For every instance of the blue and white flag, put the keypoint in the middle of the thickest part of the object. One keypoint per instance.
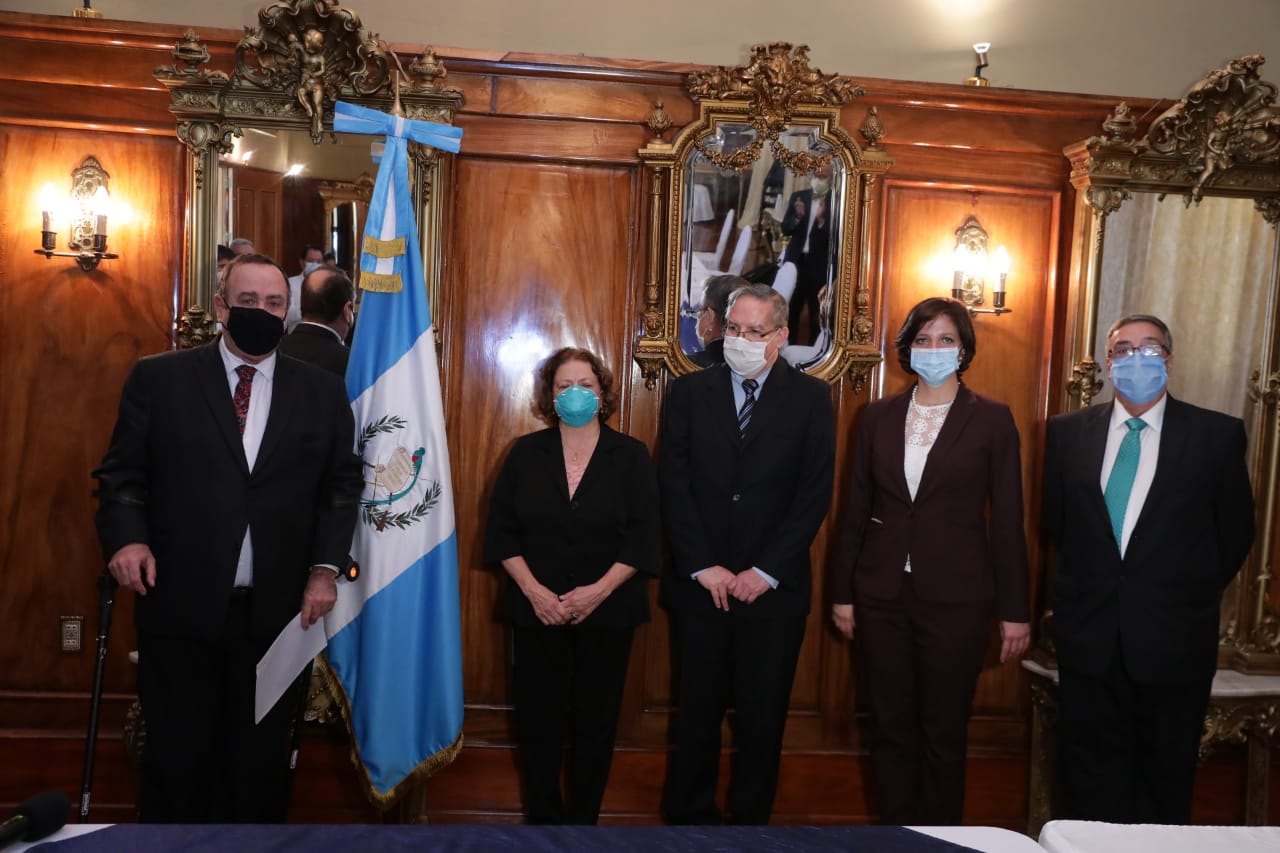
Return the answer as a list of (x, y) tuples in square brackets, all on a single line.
[(395, 642)]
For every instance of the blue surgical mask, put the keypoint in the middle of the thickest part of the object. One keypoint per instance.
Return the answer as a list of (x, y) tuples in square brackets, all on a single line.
[(577, 405), (935, 366), (310, 267), (1139, 378)]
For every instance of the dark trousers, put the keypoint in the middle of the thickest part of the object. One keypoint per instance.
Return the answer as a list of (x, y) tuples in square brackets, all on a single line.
[(810, 278), (204, 760), (723, 659), (922, 660), (1128, 751), (568, 687)]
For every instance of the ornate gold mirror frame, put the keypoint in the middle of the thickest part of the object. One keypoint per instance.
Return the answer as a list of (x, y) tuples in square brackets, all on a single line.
[(348, 194), (1221, 139), (302, 57), (776, 93)]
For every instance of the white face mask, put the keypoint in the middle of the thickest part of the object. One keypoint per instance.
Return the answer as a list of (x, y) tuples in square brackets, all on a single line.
[(744, 357), (309, 268), (697, 330), (819, 186)]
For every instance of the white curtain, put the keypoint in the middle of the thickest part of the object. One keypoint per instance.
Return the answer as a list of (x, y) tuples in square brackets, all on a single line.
[(1204, 270)]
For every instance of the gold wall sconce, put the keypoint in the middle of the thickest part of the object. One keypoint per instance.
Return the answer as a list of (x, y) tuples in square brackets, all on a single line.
[(977, 79), (973, 267), (84, 213)]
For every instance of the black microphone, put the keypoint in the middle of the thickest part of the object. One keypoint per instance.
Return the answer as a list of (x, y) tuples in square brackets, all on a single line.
[(43, 814)]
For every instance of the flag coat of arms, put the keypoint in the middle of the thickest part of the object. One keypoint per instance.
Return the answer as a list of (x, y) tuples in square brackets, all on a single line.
[(395, 649)]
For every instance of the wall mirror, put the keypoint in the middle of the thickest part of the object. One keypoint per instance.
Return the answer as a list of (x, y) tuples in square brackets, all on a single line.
[(767, 185), (324, 192), (302, 56), (1181, 222)]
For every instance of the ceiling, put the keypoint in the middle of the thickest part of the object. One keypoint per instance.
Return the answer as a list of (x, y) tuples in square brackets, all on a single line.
[(1134, 48)]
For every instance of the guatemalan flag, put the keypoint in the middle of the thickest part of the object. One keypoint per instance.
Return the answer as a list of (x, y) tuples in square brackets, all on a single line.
[(394, 638)]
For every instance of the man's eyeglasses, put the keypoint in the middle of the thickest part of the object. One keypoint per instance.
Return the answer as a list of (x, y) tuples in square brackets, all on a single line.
[(733, 330), (1126, 350)]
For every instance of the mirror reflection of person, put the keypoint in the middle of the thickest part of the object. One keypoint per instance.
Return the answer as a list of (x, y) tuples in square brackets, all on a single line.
[(748, 453), (1148, 507), (276, 506), (807, 222), (310, 257), (225, 256), (574, 522), (932, 549), (710, 323), (328, 313)]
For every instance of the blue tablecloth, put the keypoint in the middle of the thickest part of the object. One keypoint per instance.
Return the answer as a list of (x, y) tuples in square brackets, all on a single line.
[(359, 838)]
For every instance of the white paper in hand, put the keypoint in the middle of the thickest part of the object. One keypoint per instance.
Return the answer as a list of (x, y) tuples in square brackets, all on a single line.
[(288, 655)]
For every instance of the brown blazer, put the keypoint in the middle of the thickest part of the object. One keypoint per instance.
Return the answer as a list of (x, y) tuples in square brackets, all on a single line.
[(963, 531)]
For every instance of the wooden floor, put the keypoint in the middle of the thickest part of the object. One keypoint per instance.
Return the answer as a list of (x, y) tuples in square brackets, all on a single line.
[(482, 785)]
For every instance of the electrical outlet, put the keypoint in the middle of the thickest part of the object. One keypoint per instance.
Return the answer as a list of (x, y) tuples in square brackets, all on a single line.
[(72, 632)]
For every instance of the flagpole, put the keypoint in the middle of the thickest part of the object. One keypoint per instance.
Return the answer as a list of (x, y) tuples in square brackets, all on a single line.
[(404, 711)]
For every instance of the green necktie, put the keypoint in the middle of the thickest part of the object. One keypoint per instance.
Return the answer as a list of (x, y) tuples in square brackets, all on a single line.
[(1120, 483)]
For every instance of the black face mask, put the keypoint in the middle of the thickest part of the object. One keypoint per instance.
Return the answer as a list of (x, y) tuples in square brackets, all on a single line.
[(255, 331)]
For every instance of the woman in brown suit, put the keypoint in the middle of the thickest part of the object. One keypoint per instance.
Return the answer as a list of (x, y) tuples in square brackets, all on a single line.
[(932, 548)]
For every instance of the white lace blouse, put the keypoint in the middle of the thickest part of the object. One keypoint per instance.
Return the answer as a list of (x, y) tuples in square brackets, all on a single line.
[(923, 425)]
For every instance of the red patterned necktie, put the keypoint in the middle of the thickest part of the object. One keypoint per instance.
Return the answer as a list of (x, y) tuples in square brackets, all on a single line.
[(240, 399)]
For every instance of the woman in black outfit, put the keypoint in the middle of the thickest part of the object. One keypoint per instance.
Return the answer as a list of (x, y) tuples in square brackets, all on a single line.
[(574, 522)]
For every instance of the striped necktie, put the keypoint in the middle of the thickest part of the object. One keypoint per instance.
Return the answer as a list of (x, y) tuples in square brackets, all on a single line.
[(749, 387), (1120, 483)]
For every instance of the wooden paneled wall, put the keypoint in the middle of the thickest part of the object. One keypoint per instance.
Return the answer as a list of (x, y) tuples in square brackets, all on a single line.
[(545, 245)]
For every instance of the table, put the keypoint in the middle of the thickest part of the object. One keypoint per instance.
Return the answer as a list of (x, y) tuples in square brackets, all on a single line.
[(1242, 709), (507, 837), (1084, 836)]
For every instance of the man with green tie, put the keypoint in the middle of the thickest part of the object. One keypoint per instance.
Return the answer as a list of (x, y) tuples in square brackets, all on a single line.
[(1148, 505)]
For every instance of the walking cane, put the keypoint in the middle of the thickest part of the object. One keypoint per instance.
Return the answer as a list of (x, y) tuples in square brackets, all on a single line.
[(106, 598)]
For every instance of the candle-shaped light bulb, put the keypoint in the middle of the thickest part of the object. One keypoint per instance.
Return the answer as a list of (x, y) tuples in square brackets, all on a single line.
[(48, 204), (957, 263), (101, 207), (1001, 265)]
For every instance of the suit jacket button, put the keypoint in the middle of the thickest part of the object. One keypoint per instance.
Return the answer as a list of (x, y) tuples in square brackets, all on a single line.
[(573, 504), (737, 497)]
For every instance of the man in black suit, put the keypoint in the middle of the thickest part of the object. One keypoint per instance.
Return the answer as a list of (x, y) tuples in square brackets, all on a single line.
[(328, 309), (1147, 501), (807, 222), (710, 328), (746, 472), (228, 499)]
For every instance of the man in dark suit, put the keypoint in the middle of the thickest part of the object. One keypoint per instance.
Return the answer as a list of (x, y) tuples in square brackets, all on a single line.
[(746, 472), (328, 309), (228, 498), (1147, 501), (710, 328), (807, 222)]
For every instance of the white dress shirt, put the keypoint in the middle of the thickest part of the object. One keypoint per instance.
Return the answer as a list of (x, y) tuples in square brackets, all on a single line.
[(255, 424), (1148, 455), (328, 329)]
